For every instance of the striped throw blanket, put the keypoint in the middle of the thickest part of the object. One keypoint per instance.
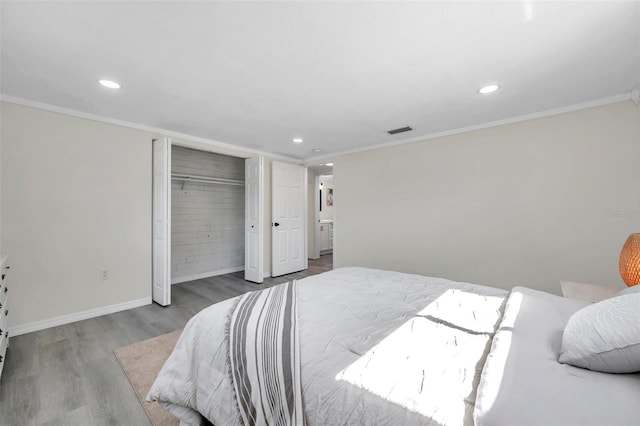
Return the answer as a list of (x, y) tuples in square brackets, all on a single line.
[(265, 357)]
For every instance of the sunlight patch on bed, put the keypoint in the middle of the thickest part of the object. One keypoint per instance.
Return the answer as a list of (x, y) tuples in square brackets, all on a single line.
[(431, 364)]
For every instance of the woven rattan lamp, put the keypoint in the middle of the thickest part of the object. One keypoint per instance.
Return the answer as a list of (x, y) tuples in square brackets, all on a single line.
[(630, 260)]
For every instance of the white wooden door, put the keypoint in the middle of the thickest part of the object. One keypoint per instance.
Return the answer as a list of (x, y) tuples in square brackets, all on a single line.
[(288, 218), (161, 276), (254, 222)]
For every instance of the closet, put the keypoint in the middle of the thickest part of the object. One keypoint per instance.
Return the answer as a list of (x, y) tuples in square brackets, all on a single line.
[(207, 214)]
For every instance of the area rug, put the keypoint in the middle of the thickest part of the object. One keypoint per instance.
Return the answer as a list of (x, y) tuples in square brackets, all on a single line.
[(141, 363)]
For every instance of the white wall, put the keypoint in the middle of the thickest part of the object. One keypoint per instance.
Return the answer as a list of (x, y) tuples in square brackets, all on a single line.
[(207, 220), (522, 204), (76, 199)]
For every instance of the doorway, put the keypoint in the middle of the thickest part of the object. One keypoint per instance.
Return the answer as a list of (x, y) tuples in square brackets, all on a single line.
[(322, 211), (199, 215), (325, 214)]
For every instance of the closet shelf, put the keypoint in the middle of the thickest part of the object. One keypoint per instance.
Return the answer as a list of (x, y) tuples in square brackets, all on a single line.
[(205, 179)]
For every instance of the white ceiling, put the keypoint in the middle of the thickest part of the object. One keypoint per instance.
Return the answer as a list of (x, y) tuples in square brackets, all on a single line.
[(338, 74)]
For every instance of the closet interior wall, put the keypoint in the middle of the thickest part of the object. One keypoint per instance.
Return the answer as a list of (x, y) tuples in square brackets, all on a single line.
[(207, 218)]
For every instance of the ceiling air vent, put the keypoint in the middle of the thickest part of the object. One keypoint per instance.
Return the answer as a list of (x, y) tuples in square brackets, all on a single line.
[(400, 130)]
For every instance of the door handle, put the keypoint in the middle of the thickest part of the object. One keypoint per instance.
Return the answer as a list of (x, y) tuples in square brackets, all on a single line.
[(276, 224)]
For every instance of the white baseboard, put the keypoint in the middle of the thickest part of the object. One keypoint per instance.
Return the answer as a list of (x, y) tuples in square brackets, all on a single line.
[(206, 275), (78, 316), (266, 274)]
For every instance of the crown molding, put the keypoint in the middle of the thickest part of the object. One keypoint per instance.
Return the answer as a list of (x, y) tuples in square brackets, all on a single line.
[(517, 119), (155, 130), (321, 158)]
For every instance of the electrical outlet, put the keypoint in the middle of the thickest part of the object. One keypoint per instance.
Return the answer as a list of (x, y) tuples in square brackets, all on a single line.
[(105, 274)]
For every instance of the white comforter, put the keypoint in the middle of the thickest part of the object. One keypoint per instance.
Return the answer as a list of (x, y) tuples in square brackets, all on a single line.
[(387, 348), (376, 347)]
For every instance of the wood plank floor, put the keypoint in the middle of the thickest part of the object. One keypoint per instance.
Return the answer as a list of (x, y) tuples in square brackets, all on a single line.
[(68, 375)]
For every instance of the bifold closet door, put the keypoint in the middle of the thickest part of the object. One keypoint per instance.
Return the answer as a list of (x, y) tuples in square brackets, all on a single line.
[(162, 221), (254, 222)]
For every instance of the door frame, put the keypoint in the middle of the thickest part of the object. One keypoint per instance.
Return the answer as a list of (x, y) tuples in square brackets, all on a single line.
[(315, 253)]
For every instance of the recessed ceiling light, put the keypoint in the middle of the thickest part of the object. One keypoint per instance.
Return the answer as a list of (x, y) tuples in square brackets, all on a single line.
[(109, 83), (329, 164), (316, 150), (488, 89), (297, 140)]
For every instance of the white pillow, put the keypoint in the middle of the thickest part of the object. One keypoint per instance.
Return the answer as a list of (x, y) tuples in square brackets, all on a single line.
[(629, 290), (604, 336)]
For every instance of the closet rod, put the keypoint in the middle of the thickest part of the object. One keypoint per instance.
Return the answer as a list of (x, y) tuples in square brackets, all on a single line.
[(205, 179)]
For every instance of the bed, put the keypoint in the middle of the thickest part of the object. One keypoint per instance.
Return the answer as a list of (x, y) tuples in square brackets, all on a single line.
[(377, 347)]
